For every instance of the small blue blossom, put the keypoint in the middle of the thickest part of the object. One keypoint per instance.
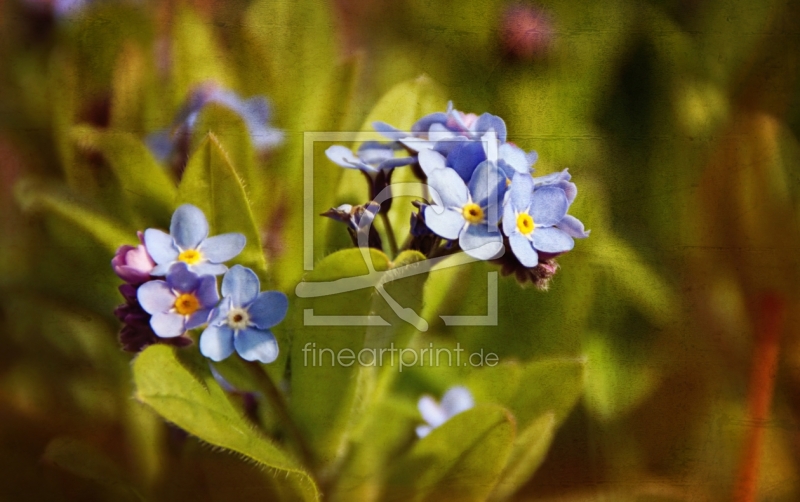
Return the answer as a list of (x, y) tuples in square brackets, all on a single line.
[(371, 158), (188, 242), (242, 320), (184, 301), (255, 111), (530, 217), (570, 224), (455, 400), (444, 125), (468, 213)]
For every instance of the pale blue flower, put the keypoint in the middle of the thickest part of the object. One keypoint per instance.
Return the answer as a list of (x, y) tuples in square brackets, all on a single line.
[(188, 242), (456, 400), (242, 320)]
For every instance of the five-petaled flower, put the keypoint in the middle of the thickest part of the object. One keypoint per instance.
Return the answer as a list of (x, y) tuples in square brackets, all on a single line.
[(455, 400), (188, 242), (184, 301), (242, 320), (530, 217), (469, 214)]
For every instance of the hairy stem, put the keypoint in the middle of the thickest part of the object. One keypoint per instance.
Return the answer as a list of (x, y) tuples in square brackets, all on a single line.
[(770, 321)]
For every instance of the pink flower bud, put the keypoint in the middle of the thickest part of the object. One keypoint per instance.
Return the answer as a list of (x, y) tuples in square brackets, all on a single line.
[(527, 32), (133, 264)]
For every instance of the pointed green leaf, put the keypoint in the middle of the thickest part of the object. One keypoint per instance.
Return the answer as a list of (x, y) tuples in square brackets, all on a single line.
[(323, 386), (38, 198), (527, 454), (548, 385), (211, 183), (188, 396), (460, 460), (146, 186)]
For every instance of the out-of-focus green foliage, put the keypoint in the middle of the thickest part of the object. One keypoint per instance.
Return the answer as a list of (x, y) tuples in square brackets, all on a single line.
[(627, 380)]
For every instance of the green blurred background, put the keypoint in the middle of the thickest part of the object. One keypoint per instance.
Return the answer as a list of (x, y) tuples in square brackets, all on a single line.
[(678, 121)]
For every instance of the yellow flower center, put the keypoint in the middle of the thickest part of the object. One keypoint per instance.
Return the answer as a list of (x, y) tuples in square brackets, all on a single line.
[(525, 223), (472, 213), (187, 304), (238, 318), (190, 256)]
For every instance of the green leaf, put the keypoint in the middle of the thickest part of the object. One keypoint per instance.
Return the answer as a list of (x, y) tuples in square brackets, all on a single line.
[(38, 198), (614, 385), (146, 186), (190, 398), (323, 390), (548, 385), (211, 183), (460, 460), (527, 454), (84, 461)]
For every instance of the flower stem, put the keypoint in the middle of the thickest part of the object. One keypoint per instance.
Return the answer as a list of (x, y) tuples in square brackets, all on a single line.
[(771, 317), (276, 401), (387, 224)]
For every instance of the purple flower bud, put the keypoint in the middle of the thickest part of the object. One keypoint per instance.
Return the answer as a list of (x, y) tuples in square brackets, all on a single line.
[(133, 264)]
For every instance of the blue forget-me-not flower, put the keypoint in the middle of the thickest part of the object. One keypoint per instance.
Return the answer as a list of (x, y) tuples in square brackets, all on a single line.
[(188, 242), (184, 301), (456, 400), (468, 213), (243, 319)]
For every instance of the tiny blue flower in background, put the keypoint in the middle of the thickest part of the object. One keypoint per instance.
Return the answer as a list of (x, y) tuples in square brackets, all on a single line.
[(184, 301), (467, 213), (371, 157), (188, 242), (456, 400), (242, 320), (530, 217), (255, 112)]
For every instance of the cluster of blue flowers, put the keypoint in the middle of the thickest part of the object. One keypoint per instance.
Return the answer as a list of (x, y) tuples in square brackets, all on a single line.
[(483, 198), (187, 297)]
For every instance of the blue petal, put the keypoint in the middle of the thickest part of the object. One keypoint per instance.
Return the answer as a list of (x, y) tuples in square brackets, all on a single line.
[(487, 185), (207, 268), (552, 240), (162, 269), (160, 144), (160, 246), (509, 218), (168, 325), (197, 319), (466, 157), (342, 156), (241, 285), (256, 345), (431, 411), (373, 152), (520, 192), (257, 109), (180, 278), (514, 157), (424, 124), (423, 430), (398, 162), (219, 316), (388, 131), (479, 243), (223, 247), (487, 121), (155, 296), (430, 160), (552, 178), (573, 227), (456, 400), (439, 132), (216, 342), (446, 223), (523, 249), (207, 292), (447, 188), (189, 226), (548, 206), (268, 309)]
